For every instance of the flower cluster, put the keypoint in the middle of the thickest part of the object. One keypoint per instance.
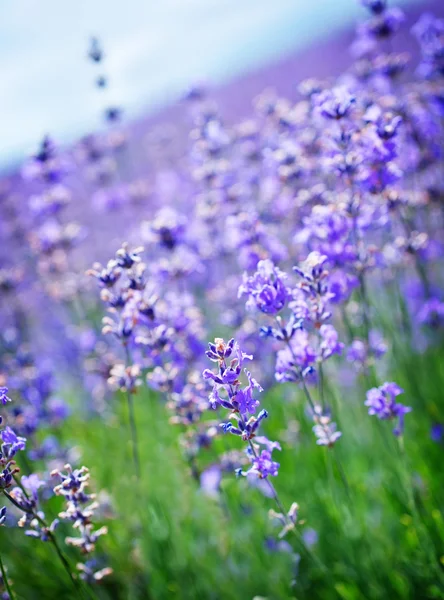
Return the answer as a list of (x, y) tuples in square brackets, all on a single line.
[(11, 444), (79, 510), (228, 393)]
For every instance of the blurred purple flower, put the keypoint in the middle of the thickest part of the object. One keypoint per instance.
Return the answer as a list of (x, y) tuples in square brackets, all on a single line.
[(381, 402)]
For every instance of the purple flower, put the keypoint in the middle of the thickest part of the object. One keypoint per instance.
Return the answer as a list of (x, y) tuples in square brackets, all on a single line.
[(429, 32), (335, 103), (3, 397), (228, 377), (378, 346), (437, 432), (431, 313), (375, 6), (210, 480), (383, 24), (6, 477), (244, 397), (386, 124), (295, 358), (11, 442), (32, 484), (228, 392), (266, 288), (330, 344), (381, 402), (325, 429), (263, 465), (310, 537), (341, 285), (269, 445), (357, 352)]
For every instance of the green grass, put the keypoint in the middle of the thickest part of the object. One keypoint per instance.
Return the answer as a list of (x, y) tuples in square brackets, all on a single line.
[(381, 533)]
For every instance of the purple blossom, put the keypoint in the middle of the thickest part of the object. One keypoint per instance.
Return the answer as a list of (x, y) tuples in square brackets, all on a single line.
[(381, 402), (266, 288), (383, 24), (375, 6), (32, 484), (263, 465), (325, 429), (244, 397), (228, 393), (310, 537), (431, 313), (227, 388), (330, 343), (295, 358), (341, 285), (429, 32), (335, 103), (437, 432), (210, 480), (3, 395), (12, 443)]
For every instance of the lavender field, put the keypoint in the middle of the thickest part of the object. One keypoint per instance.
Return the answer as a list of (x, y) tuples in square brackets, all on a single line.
[(222, 336)]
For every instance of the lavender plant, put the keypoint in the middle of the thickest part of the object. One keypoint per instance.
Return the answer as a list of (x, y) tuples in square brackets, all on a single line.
[(309, 235)]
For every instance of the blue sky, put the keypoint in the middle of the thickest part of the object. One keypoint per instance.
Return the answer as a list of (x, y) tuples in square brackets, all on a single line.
[(154, 50)]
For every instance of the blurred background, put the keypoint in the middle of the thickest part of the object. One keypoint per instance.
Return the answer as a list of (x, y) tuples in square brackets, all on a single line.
[(153, 52)]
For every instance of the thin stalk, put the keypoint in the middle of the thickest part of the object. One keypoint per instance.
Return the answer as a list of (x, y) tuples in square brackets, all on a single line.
[(321, 384), (342, 475), (273, 490), (5, 580), (365, 306), (51, 538), (347, 324), (133, 430), (300, 375), (309, 553), (280, 506), (132, 422), (419, 266)]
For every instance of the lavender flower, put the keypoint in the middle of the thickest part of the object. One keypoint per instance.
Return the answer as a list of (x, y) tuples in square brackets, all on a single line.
[(262, 463), (3, 395), (265, 289), (381, 402), (334, 104), (295, 361), (437, 432), (11, 443), (229, 393), (325, 429), (288, 521), (80, 509), (432, 313)]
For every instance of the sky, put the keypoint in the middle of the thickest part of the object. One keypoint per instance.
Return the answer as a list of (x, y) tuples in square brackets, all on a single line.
[(154, 50)]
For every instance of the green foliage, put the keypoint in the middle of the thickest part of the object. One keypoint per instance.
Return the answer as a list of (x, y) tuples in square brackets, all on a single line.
[(380, 523)]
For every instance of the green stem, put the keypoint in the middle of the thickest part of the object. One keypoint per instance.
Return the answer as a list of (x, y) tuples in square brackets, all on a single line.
[(321, 384), (342, 474), (5, 580), (132, 421), (347, 324), (133, 430), (52, 539)]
